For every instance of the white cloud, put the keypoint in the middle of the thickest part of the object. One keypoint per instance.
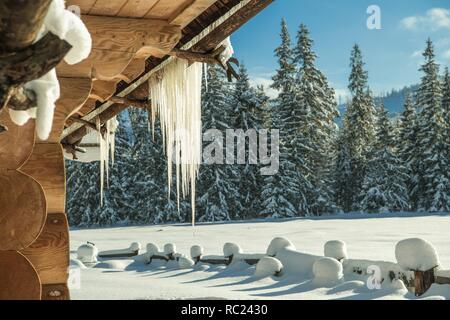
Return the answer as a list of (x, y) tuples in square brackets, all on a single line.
[(434, 19), (416, 54), (266, 82), (446, 55)]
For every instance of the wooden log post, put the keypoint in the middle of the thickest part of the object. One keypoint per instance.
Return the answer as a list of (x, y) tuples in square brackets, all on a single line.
[(423, 280)]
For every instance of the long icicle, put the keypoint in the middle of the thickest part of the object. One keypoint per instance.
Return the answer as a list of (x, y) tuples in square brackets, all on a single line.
[(176, 96)]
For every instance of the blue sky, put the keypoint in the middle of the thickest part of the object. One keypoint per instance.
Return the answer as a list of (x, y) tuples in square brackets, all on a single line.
[(392, 54)]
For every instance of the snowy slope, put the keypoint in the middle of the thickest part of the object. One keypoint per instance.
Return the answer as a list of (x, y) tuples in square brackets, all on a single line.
[(367, 237)]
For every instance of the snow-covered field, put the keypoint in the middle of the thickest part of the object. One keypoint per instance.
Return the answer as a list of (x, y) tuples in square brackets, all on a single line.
[(367, 237)]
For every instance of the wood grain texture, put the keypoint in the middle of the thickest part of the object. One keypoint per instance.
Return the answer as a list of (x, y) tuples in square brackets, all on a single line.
[(192, 11), (16, 144), (74, 93), (46, 165), (55, 292), (18, 279), (84, 5), (103, 90), (23, 210), (49, 254), (136, 8), (107, 7), (165, 9), (131, 35)]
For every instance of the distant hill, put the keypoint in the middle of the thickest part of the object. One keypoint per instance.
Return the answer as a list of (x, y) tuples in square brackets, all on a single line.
[(393, 100)]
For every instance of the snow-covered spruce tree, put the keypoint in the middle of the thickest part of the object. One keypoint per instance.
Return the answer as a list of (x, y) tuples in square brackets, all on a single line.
[(247, 115), (314, 119), (218, 188), (384, 187), (407, 148), (358, 126), (286, 194), (433, 171), (342, 174)]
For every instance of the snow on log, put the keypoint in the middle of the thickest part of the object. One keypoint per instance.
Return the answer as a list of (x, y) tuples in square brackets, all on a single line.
[(67, 26), (231, 249), (335, 249), (327, 271), (267, 267), (87, 253), (295, 262), (185, 263), (170, 249), (196, 253), (416, 254), (278, 244)]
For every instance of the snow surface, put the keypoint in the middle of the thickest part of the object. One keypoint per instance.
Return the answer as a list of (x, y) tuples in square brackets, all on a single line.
[(370, 238), (416, 254), (231, 249), (277, 244)]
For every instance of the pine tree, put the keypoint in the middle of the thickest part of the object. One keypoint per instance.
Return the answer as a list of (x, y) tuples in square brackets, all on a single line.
[(218, 188), (247, 115), (407, 148), (358, 127), (384, 188), (433, 172), (315, 122), (289, 188)]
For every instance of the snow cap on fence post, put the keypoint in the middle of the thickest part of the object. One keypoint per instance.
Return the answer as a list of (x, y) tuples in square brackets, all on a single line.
[(336, 249), (196, 252), (267, 267), (152, 249), (231, 249), (416, 254), (327, 271), (135, 246), (87, 253), (278, 244), (170, 249)]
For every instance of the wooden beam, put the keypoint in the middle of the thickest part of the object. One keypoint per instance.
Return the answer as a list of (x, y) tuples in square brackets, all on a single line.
[(189, 13), (20, 23), (231, 25)]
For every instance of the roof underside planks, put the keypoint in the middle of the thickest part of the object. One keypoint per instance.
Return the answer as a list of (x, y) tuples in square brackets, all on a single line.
[(193, 15)]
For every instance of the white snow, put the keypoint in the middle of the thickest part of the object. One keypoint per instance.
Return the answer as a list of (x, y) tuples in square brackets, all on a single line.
[(295, 262), (268, 267), (278, 244), (336, 249), (231, 249), (416, 254), (66, 26), (370, 239), (87, 253), (135, 246), (185, 263), (196, 251), (228, 52), (327, 271), (152, 249), (170, 248)]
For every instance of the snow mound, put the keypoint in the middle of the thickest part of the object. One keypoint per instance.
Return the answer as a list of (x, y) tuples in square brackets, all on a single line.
[(75, 263), (152, 249), (336, 249), (185, 263), (196, 251), (113, 264), (327, 271), (297, 263), (87, 253), (267, 267), (416, 254), (278, 244), (231, 249), (399, 286), (135, 246), (170, 249)]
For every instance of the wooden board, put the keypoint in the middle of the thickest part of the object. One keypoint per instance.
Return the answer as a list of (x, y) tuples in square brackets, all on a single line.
[(74, 93), (49, 254), (191, 12), (16, 144), (136, 8), (165, 9), (46, 165), (23, 210), (18, 279)]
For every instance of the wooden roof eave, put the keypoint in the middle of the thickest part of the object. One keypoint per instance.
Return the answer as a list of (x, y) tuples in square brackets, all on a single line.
[(230, 19)]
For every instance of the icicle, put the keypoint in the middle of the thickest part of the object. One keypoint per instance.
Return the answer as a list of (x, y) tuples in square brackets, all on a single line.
[(176, 96), (102, 157)]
